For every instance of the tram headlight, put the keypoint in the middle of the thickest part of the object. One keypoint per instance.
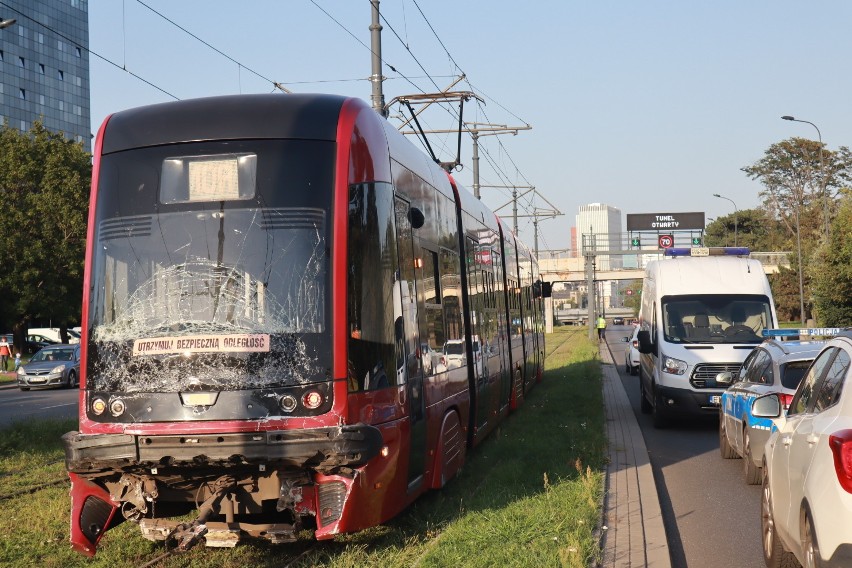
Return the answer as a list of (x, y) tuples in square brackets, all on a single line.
[(288, 403), (98, 406), (312, 400), (117, 407)]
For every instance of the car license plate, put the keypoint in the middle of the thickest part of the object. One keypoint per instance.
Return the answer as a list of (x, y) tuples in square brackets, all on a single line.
[(715, 399)]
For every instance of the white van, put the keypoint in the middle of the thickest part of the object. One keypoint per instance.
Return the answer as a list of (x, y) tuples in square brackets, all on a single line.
[(700, 317), (52, 334)]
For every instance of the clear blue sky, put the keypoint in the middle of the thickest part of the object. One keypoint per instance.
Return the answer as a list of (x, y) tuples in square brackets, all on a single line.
[(647, 106)]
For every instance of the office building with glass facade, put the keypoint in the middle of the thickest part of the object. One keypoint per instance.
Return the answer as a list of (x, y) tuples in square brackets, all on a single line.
[(44, 66)]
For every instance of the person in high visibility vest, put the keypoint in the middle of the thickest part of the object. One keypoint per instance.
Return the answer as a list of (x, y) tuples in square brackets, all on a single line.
[(601, 325)]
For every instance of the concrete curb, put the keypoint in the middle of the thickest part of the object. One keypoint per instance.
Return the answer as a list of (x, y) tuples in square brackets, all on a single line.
[(635, 535)]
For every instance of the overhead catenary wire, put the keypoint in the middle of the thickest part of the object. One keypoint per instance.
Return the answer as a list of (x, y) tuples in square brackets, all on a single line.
[(98, 55), (491, 161), (217, 50), (472, 88)]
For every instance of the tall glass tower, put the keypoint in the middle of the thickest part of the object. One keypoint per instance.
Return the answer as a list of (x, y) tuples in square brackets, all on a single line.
[(44, 66), (602, 224)]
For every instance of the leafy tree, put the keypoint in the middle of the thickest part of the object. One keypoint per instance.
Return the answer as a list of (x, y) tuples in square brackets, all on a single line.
[(794, 173), (832, 270), (634, 299), (44, 183), (753, 228), (785, 292), (800, 177)]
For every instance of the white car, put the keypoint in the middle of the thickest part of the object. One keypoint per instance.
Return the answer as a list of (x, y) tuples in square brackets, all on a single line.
[(806, 510), (454, 354), (631, 354)]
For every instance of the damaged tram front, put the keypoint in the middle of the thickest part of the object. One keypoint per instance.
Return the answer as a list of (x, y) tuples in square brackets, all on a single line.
[(208, 377)]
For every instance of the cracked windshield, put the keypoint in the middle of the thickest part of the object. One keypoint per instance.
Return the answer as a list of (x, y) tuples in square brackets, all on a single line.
[(205, 292)]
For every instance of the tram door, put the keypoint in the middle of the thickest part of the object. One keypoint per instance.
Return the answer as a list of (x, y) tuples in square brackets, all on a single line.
[(479, 333), (410, 346)]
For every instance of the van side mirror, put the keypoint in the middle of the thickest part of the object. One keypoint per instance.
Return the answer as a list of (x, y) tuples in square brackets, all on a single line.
[(625, 339), (646, 346), (767, 406)]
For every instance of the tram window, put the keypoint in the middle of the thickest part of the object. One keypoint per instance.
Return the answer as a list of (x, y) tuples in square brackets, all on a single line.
[(431, 279), (372, 263), (451, 289), (435, 335)]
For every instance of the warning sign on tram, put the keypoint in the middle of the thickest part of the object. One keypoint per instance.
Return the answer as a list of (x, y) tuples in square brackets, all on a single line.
[(665, 241)]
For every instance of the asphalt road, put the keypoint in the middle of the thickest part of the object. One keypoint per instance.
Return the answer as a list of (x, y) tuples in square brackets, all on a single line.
[(712, 518), (17, 405)]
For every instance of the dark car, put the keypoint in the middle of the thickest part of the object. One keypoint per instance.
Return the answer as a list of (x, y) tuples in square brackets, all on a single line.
[(617, 321), (53, 366), (33, 344)]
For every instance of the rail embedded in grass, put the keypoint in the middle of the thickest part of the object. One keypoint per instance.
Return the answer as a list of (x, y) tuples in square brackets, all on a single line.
[(527, 496)]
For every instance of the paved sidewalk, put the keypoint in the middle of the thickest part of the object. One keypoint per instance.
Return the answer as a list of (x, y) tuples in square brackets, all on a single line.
[(634, 534)]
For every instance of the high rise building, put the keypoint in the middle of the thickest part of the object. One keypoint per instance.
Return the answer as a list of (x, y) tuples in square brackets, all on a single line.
[(44, 66), (600, 225)]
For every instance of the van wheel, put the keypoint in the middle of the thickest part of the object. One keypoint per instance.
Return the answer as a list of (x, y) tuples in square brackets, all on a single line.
[(658, 414), (644, 405)]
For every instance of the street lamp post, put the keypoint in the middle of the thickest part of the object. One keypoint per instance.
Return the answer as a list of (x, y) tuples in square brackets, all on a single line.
[(821, 170), (736, 214), (6, 23), (799, 254)]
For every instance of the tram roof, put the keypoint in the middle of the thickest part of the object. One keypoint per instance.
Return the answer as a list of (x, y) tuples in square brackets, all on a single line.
[(230, 117)]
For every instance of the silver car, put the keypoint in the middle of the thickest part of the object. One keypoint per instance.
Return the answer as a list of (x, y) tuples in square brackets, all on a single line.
[(52, 366), (631, 354)]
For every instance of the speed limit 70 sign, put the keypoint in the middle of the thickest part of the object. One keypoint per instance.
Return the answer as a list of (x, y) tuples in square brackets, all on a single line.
[(665, 241)]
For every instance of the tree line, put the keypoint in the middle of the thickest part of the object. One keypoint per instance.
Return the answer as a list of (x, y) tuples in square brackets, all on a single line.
[(44, 194), (806, 205)]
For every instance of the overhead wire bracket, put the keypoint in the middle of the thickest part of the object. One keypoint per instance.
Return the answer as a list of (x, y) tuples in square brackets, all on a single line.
[(429, 98)]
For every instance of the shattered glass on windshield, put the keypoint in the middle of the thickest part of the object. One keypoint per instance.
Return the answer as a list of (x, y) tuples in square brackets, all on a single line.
[(214, 298)]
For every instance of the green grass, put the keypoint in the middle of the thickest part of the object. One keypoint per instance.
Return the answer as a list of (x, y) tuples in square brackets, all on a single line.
[(528, 496), (9, 376)]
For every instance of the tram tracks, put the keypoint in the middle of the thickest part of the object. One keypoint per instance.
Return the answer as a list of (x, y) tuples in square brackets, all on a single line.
[(32, 489)]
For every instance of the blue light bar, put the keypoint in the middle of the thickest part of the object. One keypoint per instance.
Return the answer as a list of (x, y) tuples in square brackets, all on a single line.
[(803, 332), (707, 251)]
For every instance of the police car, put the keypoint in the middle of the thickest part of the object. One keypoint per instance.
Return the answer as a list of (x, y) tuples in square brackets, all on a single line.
[(773, 366)]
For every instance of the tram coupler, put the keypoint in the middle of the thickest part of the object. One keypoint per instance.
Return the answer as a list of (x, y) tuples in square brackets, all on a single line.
[(187, 535)]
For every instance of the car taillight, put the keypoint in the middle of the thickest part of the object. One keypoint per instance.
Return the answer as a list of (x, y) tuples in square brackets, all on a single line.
[(636, 343), (841, 446), (786, 399)]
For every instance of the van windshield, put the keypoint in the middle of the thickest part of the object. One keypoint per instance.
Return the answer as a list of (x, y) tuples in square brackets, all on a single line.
[(718, 318)]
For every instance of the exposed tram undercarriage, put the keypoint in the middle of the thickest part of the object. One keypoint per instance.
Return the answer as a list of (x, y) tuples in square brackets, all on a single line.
[(258, 483)]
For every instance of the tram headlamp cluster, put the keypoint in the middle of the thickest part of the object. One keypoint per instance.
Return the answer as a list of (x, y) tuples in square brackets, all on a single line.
[(312, 400), (288, 403), (116, 407)]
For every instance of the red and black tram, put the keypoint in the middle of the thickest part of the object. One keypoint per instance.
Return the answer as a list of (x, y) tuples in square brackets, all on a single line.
[(292, 319)]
